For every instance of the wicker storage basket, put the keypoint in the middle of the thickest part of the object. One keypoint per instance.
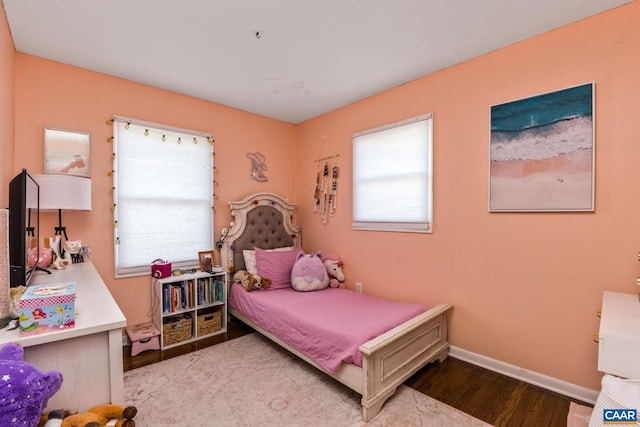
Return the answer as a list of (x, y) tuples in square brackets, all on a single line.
[(176, 330), (209, 323)]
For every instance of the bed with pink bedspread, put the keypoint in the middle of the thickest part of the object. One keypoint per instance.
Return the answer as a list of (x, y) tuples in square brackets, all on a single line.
[(300, 319), (369, 344)]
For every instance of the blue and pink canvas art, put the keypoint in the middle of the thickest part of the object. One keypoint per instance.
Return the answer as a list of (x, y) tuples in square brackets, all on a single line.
[(542, 152)]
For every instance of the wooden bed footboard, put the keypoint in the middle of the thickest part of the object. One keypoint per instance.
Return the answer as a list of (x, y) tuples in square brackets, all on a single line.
[(391, 358), (387, 360)]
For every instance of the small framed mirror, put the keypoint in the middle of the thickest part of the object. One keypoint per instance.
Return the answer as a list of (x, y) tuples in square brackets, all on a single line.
[(67, 152)]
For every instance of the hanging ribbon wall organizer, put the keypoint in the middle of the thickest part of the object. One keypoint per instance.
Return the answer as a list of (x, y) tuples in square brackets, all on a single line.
[(326, 192)]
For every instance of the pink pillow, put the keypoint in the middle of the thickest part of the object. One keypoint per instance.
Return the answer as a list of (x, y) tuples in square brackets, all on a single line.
[(276, 266)]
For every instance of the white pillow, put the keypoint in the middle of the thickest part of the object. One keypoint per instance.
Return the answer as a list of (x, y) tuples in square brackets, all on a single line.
[(250, 258), (616, 393)]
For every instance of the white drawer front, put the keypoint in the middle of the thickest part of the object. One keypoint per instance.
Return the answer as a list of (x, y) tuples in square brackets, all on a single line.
[(619, 357), (619, 335)]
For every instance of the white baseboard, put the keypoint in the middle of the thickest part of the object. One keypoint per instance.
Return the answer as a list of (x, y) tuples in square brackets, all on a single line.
[(568, 389)]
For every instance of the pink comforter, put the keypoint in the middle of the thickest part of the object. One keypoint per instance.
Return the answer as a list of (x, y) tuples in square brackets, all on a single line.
[(329, 325)]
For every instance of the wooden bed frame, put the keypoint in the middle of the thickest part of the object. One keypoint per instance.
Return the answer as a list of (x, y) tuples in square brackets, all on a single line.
[(265, 220)]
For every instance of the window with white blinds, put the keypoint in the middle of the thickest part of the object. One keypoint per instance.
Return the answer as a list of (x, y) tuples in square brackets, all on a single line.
[(392, 177), (162, 195)]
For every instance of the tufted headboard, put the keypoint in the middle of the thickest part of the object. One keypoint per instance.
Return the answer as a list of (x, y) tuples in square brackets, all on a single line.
[(263, 220)]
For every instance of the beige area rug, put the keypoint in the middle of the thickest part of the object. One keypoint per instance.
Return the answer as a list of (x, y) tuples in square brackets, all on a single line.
[(250, 381)]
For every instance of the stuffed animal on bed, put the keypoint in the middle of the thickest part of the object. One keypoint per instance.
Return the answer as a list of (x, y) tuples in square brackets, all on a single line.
[(251, 281), (334, 265), (24, 390), (308, 272)]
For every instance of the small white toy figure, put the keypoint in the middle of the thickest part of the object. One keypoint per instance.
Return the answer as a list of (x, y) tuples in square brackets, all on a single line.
[(73, 251), (59, 263)]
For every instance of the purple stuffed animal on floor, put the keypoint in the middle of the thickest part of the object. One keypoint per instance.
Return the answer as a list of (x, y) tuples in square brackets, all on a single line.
[(24, 390)]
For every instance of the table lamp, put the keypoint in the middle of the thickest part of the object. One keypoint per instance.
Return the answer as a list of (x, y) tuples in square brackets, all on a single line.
[(60, 192)]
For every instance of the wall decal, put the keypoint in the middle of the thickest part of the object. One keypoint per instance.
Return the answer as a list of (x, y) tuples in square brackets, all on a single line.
[(257, 166)]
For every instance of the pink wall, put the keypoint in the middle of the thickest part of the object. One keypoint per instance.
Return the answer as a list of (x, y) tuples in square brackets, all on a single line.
[(7, 54), (61, 96), (526, 286)]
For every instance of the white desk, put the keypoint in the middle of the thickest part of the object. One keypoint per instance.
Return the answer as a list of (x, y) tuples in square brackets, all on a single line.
[(88, 355)]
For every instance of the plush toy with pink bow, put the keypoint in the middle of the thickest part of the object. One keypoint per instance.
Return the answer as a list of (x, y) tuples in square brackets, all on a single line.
[(334, 265)]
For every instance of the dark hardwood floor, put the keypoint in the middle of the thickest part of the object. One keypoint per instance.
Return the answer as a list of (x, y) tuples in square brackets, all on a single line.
[(489, 396)]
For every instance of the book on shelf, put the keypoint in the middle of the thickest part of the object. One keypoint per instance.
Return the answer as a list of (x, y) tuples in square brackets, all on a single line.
[(205, 291), (219, 290), (183, 295), (176, 296)]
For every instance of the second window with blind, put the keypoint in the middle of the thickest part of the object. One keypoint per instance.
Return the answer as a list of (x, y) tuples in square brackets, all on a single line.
[(392, 177)]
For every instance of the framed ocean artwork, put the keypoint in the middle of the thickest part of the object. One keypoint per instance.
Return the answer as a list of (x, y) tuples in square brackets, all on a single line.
[(542, 152)]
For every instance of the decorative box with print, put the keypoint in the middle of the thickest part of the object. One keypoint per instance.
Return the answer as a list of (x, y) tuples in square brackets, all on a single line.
[(47, 308)]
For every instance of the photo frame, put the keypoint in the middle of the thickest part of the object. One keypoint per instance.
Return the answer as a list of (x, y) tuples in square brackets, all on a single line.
[(67, 152), (206, 260), (542, 152)]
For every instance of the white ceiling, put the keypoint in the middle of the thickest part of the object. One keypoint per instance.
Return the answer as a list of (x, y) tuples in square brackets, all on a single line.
[(311, 57)]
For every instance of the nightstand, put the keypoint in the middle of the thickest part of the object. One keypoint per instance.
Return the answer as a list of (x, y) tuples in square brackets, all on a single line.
[(619, 336)]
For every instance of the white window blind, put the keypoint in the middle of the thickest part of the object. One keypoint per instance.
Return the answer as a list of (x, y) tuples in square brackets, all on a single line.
[(163, 195), (392, 177)]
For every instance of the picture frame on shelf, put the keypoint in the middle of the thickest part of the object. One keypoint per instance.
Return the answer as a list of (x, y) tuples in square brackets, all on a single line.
[(206, 260), (67, 152)]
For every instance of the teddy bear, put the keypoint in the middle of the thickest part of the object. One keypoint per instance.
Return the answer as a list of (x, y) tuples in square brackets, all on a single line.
[(251, 281), (98, 416), (24, 389)]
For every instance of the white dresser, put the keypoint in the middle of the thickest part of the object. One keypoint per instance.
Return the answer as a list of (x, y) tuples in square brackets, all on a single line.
[(619, 335), (88, 355)]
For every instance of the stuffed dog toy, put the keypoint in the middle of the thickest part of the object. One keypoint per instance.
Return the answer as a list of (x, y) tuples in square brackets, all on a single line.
[(98, 416), (251, 281)]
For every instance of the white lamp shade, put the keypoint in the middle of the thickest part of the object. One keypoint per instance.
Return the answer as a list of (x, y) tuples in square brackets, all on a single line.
[(66, 192)]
